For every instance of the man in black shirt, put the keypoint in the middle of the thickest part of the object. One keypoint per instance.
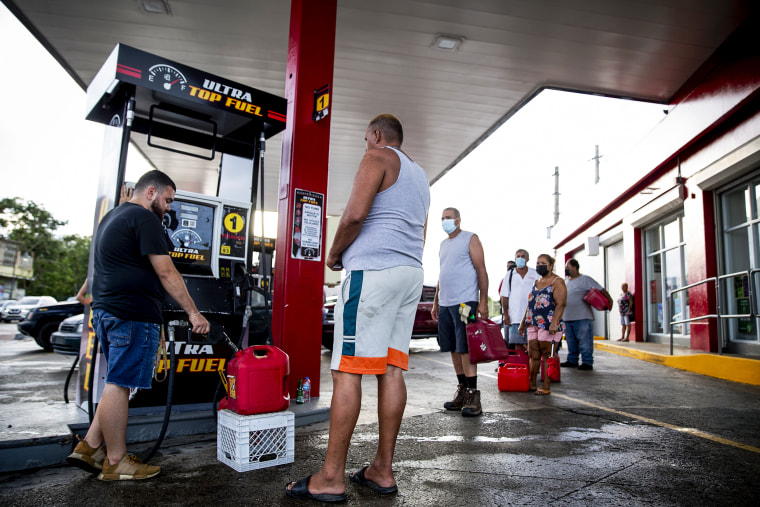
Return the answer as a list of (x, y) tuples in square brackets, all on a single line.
[(132, 272)]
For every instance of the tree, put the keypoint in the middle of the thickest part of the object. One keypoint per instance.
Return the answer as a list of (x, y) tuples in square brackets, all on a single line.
[(60, 265)]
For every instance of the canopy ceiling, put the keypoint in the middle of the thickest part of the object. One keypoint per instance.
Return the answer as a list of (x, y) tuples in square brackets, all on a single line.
[(385, 61)]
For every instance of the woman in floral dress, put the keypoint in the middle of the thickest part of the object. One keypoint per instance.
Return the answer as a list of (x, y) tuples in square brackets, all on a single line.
[(543, 318)]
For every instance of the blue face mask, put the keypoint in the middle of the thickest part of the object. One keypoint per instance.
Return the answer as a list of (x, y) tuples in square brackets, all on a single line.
[(520, 262), (448, 225)]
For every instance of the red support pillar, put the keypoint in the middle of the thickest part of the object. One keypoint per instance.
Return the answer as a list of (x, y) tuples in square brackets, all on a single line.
[(298, 281)]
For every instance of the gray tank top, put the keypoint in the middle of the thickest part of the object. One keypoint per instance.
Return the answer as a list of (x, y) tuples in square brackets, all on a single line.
[(457, 280), (393, 232)]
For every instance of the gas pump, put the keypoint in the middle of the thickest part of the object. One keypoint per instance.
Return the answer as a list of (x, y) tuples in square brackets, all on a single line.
[(207, 133)]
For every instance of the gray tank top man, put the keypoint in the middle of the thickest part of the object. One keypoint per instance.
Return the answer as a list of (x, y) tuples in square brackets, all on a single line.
[(458, 280), (393, 232)]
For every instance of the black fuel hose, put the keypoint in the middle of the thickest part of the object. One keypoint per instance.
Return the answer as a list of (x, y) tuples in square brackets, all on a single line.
[(68, 379), (169, 396), (91, 380)]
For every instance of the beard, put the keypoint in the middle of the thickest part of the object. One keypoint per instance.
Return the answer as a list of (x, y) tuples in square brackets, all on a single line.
[(155, 208)]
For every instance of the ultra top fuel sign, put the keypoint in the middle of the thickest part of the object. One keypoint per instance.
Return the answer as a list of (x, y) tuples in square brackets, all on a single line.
[(235, 109)]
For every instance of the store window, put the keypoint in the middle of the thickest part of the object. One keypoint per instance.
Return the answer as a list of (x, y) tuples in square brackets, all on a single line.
[(740, 230), (666, 270)]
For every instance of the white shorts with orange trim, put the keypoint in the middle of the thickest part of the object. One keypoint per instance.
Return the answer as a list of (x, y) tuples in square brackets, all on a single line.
[(374, 318)]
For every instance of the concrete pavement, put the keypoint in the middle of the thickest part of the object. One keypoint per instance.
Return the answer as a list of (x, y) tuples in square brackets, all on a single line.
[(630, 432)]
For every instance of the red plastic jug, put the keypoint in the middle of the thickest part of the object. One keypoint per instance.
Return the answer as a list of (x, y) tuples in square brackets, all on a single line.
[(514, 377), (257, 380)]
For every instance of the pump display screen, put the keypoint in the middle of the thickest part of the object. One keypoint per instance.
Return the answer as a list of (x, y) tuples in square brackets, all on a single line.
[(190, 226)]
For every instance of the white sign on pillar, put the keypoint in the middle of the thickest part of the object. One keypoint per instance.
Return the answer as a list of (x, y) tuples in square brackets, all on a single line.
[(307, 225)]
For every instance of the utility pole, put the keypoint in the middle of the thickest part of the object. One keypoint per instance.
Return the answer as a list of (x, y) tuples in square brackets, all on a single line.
[(596, 165), (556, 203)]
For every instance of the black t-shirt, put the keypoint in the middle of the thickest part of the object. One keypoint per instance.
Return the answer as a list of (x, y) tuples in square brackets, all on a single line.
[(124, 281)]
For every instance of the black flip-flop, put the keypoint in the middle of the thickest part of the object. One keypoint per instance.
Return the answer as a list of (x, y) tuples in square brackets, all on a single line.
[(301, 491), (358, 478)]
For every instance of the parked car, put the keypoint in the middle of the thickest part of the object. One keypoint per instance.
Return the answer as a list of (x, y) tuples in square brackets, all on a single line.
[(69, 335), (42, 321), (21, 308), (4, 305), (424, 325)]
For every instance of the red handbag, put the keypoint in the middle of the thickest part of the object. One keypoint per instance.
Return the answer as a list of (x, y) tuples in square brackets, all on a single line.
[(595, 298), (485, 342)]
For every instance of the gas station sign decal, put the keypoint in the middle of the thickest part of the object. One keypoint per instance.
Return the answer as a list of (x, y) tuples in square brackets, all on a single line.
[(321, 103), (307, 225)]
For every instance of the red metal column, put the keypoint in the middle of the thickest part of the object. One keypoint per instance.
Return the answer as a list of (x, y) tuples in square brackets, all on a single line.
[(297, 308), (701, 261)]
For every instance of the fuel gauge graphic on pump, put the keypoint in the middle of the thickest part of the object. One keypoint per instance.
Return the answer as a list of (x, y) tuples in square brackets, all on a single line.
[(190, 225), (168, 76), (186, 238)]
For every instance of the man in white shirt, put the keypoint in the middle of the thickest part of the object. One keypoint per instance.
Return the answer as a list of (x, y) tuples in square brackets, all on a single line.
[(514, 298)]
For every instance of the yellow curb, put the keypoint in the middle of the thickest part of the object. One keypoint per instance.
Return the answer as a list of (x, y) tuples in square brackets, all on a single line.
[(735, 369)]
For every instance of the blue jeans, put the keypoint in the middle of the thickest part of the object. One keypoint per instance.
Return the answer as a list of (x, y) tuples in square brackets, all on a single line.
[(129, 348), (579, 336)]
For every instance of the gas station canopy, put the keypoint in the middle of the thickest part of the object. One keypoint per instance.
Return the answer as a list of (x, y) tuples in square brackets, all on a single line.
[(452, 71)]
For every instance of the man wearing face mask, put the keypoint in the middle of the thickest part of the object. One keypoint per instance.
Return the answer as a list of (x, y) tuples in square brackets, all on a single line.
[(514, 298), (462, 279)]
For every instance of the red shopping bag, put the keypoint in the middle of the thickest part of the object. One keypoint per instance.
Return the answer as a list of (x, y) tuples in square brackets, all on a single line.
[(485, 342)]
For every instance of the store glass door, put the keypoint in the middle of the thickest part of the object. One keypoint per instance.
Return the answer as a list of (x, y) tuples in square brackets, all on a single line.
[(666, 270), (740, 253)]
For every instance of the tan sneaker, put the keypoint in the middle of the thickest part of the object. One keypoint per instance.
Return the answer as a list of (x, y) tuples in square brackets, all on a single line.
[(458, 401), (87, 458), (128, 469)]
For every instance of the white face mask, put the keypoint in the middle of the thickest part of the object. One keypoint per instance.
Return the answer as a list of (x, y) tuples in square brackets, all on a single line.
[(448, 225)]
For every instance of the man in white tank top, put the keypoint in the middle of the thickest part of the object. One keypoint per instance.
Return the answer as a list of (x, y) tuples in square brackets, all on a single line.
[(379, 241), (462, 280)]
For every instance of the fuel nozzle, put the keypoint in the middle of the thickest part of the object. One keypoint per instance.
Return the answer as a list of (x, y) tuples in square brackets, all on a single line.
[(173, 324), (262, 144)]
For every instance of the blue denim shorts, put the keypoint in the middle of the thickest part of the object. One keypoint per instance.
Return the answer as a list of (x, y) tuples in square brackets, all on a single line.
[(129, 347), (515, 337), (452, 333)]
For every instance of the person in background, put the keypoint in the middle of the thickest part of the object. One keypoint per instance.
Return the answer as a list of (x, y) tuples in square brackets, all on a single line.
[(462, 280), (542, 321), (379, 241), (514, 298), (579, 317), (625, 307)]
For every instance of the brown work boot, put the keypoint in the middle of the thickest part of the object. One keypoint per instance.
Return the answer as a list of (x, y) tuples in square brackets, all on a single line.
[(128, 469), (471, 406), (87, 458), (458, 401)]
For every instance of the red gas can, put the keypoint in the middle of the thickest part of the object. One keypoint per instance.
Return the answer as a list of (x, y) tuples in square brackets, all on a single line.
[(257, 380), (514, 378)]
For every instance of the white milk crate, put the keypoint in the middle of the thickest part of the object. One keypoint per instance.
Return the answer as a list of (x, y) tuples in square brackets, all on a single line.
[(250, 442)]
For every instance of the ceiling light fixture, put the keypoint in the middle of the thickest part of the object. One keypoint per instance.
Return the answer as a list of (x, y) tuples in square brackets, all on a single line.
[(156, 6), (447, 42)]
